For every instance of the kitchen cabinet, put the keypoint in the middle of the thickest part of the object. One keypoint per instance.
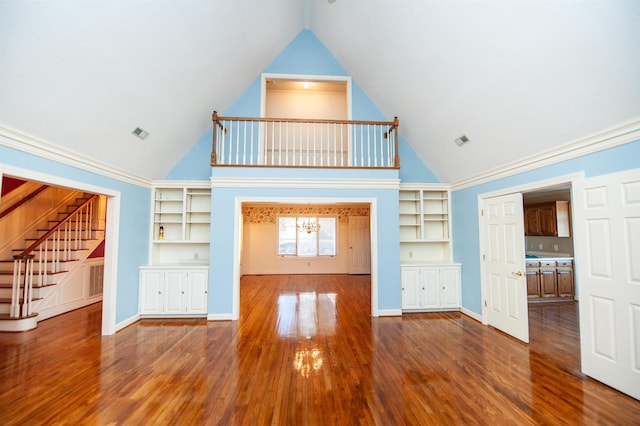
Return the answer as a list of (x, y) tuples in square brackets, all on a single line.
[(549, 279), (173, 291), (430, 287), (547, 219)]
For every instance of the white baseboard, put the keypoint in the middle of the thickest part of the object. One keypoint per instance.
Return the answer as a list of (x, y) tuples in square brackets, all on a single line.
[(471, 314), (220, 317), (389, 312), (127, 322)]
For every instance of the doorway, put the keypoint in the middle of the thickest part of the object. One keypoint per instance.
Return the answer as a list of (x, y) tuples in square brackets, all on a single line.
[(111, 228), (246, 235), (514, 297)]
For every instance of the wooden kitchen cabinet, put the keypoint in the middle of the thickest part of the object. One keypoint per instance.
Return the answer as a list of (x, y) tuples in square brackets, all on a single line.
[(564, 277), (547, 220), (549, 280)]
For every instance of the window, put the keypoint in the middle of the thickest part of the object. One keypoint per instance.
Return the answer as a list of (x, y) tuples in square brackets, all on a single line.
[(295, 242)]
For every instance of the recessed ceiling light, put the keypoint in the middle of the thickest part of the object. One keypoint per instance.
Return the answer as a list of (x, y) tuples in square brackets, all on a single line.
[(462, 140), (141, 133), (306, 84)]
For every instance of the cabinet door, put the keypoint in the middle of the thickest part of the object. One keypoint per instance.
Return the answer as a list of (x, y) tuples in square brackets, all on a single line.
[(197, 285), (548, 285), (531, 221), (175, 301), (430, 278), (565, 282), (151, 292), (533, 283), (450, 287), (548, 222), (411, 288)]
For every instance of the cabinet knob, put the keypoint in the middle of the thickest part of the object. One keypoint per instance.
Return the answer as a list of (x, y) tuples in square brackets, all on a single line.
[(423, 288), (205, 292), (183, 292), (159, 292)]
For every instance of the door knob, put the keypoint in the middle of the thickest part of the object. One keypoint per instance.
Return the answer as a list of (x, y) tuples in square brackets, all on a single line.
[(517, 274)]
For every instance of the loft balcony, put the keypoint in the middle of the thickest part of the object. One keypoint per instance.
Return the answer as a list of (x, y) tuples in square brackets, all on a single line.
[(304, 143)]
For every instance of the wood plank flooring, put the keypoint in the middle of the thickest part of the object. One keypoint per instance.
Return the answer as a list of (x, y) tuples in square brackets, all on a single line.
[(305, 352)]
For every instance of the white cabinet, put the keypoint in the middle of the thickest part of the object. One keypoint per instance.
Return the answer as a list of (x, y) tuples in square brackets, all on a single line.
[(173, 292), (424, 223), (432, 287)]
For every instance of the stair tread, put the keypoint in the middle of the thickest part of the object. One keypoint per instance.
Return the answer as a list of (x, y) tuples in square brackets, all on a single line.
[(4, 317), (7, 300), (10, 285)]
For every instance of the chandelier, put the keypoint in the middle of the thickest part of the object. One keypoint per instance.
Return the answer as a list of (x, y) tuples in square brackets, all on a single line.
[(308, 225)]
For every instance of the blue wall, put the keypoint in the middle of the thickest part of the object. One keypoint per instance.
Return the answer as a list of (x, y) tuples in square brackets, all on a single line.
[(134, 221), (464, 208), (304, 55), (222, 230)]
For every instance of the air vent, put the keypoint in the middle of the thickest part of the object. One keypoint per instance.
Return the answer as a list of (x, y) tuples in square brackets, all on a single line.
[(462, 140), (141, 133)]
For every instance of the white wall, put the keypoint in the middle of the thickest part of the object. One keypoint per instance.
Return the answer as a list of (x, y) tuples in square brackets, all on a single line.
[(260, 243)]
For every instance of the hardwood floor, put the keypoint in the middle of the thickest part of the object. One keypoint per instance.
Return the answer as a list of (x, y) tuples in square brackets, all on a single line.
[(304, 352)]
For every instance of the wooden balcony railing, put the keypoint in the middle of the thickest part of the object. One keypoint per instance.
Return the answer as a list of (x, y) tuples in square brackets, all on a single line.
[(288, 142)]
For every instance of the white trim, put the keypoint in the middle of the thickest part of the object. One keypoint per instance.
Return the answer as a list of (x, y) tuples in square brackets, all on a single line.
[(238, 182), (219, 317), (31, 145), (180, 184), (616, 136), (127, 322), (390, 312), (471, 314)]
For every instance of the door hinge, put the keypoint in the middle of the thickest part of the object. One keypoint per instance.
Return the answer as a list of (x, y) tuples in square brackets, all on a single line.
[(483, 257), (481, 212), (485, 303)]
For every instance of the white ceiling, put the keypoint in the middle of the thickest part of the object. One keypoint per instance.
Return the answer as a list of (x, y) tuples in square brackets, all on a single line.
[(516, 76)]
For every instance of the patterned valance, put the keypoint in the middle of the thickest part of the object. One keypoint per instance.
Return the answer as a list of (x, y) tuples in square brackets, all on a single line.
[(269, 214)]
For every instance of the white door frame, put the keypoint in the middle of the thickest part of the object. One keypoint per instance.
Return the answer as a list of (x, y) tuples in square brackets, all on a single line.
[(528, 187), (112, 227), (373, 232)]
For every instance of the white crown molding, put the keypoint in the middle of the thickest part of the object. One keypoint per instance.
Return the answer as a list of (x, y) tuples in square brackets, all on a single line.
[(616, 136), (25, 143), (181, 183), (236, 182)]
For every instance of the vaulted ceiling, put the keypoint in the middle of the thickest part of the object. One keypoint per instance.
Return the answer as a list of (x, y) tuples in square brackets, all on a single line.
[(517, 77)]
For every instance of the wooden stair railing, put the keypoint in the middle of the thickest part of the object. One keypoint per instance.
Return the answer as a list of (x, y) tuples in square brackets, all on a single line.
[(22, 201), (56, 245)]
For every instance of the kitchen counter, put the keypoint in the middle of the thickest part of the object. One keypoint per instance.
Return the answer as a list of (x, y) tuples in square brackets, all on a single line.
[(541, 256)]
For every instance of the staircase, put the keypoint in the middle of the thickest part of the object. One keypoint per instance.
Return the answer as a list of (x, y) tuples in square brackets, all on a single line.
[(44, 260)]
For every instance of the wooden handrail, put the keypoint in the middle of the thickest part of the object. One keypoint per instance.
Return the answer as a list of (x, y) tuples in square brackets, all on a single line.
[(22, 201), (218, 118), (57, 226)]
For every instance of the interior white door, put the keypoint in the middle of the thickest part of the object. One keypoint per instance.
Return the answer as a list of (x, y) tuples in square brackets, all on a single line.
[(359, 245), (607, 240), (504, 279)]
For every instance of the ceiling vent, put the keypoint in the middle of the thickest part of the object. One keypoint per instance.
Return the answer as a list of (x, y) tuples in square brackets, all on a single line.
[(141, 133), (462, 140)]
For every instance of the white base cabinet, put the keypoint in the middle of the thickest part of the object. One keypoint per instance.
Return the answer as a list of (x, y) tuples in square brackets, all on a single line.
[(430, 287), (173, 291)]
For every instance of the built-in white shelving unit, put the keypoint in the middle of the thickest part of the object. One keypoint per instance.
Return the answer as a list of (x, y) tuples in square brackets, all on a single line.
[(424, 224), (181, 225)]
